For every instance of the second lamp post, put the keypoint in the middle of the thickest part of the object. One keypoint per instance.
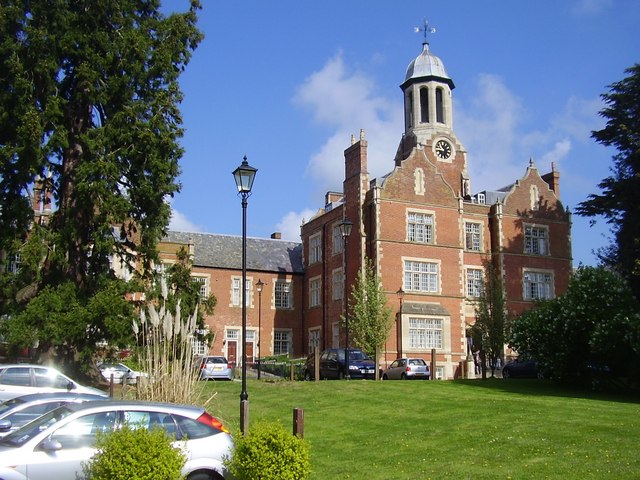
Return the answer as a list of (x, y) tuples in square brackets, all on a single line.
[(345, 230)]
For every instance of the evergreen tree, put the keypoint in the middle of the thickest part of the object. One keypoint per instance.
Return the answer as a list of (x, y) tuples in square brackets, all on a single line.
[(89, 115), (370, 318), (618, 201)]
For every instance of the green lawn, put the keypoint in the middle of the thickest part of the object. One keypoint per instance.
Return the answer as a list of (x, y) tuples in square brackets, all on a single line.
[(474, 429)]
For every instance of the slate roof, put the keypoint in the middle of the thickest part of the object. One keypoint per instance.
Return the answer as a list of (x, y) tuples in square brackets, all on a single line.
[(225, 251)]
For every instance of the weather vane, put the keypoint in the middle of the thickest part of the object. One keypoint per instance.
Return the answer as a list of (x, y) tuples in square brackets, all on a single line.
[(425, 29)]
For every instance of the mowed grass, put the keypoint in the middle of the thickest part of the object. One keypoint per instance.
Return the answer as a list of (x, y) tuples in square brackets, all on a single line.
[(472, 429)]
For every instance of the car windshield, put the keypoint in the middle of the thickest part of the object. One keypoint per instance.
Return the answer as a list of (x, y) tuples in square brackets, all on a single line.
[(30, 430), (357, 355), (216, 360)]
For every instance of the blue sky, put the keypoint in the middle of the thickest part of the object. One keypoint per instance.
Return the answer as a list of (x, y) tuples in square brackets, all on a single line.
[(286, 82)]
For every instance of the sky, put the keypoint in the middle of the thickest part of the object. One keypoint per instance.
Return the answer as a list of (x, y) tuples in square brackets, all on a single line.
[(287, 82)]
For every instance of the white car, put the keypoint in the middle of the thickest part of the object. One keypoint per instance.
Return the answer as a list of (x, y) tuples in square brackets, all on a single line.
[(23, 379), (121, 373), (55, 445)]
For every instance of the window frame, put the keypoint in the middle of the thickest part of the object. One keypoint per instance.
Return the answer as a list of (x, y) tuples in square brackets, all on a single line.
[(473, 241), (315, 292), (475, 282), (315, 248), (426, 333), (533, 240), (428, 234), (537, 278), (427, 274), (282, 298), (279, 342)]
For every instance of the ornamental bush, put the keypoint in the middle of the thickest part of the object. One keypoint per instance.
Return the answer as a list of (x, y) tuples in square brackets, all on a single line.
[(269, 452), (135, 454)]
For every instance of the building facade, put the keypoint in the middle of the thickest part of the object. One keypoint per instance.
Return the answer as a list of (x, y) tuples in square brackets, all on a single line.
[(425, 230)]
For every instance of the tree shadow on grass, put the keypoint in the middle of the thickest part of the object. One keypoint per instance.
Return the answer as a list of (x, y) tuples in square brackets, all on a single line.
[(549, 388)]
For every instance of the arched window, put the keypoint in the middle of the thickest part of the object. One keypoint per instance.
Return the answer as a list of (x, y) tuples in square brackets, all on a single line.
[(424, 105), (439, 106), (408, 109)]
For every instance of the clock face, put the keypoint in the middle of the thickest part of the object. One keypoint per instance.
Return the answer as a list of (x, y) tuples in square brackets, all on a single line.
[(443, 149)]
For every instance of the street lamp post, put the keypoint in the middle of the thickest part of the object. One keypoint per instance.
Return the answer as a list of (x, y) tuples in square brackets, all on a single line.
[(244, 176), (400, 294), (345, 230), (259, 287)]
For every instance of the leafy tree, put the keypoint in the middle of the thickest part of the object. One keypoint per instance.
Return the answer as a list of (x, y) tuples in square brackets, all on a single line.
[(618, 200), (488, 331), (595, 323), (370, 318), (89, 123)]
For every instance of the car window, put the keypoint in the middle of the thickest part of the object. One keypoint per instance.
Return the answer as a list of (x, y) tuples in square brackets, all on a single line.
[(30, 413), (82, 431), (49, 379), (395, 364), (23, 435), (417, 361), (194, 429), (137, 419), (17, 376), (216, 360)]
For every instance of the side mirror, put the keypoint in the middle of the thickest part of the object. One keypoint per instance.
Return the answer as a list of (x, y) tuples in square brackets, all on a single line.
[(5, 425), (71, 386), (50, 445)]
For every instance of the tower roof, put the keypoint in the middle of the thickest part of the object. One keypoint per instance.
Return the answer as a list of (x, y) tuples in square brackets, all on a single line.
[(427, 65)]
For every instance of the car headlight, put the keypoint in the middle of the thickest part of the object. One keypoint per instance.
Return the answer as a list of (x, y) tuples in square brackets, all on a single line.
[(354, 367)]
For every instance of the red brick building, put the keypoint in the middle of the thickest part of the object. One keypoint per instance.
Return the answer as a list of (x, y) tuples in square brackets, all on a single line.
[(427, 233), (424, 229)]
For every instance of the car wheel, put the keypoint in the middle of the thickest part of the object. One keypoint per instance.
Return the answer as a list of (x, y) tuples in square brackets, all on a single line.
[(384, 377), (403, 377), (506, 374)]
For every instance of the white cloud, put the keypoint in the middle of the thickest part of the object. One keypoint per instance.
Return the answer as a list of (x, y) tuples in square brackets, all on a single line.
[(346, 102), (180, 223), (560, 150), (488, 128), (289, 226)]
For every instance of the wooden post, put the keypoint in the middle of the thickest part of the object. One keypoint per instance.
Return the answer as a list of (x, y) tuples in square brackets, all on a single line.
[(377, 363), (316, 365), (298, 422), (433, 364), (292, 372)]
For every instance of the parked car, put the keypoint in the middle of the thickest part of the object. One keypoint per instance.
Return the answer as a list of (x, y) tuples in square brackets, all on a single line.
[(216, 368), (19, 411), (407, 369), (23, 379), (121, 373), (522, 367), (55, 445), (333, 365)]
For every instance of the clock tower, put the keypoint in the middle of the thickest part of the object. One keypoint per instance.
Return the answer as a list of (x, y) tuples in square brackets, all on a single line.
[(428, 118)]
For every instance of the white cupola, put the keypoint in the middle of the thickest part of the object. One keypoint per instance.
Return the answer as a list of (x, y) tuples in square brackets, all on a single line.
[(427, 97)]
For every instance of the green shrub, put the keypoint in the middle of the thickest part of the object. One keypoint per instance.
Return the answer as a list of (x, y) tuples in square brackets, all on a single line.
[(135, 454), (269, 452)]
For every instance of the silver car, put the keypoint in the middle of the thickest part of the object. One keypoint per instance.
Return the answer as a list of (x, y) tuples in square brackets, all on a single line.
[(407, 369), (216, 368), (23, 379), (19, 411), (121, 373), (55, 445)]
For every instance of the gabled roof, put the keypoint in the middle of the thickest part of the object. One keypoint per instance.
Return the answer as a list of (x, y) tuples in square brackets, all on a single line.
[(225, 251)]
